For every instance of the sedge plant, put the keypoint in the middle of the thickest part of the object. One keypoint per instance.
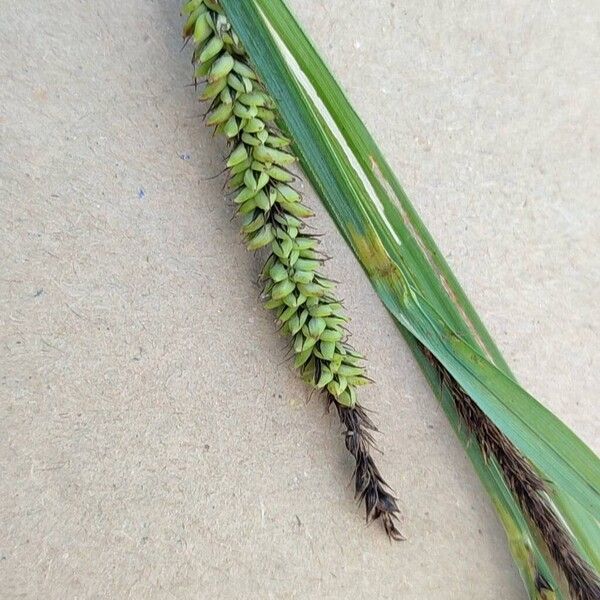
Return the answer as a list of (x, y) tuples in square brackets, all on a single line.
[(274, 220), (262, 75)]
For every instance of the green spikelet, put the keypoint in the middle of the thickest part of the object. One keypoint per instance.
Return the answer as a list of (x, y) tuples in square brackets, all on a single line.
[(273, 214)]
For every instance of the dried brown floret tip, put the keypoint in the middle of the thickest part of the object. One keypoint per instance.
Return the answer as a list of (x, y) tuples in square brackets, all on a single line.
[(369, 485)]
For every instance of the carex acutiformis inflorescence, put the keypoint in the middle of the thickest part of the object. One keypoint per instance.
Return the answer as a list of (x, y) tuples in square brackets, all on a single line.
[(273, 218)]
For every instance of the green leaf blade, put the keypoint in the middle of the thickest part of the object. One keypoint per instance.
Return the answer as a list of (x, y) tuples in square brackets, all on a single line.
[(407, 269)]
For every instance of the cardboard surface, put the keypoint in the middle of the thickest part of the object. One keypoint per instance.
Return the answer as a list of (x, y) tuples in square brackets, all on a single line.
[(153, 442)]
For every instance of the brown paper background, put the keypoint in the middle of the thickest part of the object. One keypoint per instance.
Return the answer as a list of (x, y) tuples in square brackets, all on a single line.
[(153, 442)]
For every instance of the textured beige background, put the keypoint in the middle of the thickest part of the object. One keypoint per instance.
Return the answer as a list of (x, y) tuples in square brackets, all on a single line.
[(152, 442)]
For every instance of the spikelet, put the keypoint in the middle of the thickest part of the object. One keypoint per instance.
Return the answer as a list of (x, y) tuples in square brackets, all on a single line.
[(272, 214)]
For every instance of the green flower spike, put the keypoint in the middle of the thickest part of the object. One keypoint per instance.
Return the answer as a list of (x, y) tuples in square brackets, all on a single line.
[(273, 214)]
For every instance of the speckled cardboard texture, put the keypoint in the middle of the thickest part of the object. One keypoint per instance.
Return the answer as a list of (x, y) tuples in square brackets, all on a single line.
[(154, 443)]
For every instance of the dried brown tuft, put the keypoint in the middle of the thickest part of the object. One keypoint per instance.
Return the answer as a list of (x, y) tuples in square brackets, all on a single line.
[(369, 485), (527, 486)]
